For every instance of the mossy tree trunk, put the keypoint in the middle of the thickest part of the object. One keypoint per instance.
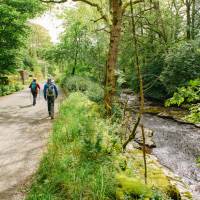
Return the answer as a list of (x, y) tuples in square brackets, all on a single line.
[(117, 9), (115, 33)]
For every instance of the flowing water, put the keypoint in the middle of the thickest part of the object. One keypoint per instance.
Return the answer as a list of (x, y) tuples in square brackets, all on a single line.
[(177, 148)]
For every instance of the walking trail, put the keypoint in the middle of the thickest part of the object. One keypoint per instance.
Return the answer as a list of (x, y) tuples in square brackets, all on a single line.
[(24, 131)]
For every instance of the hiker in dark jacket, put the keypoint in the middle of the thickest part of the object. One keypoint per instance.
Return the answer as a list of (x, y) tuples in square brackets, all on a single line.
[(35, 87), (50, 94)]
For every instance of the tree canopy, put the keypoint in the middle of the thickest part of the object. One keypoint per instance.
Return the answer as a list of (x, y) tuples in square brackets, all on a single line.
[(14, 31)]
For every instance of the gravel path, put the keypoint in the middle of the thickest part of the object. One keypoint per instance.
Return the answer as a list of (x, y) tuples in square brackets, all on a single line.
[(24, 131)]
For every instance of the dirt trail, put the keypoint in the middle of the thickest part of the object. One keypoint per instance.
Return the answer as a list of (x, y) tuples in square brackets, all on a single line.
[(24, 130)]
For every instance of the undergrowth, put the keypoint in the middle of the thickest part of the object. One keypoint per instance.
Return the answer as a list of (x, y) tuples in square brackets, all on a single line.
[(9, 89), (76, 83), (83, 159), (189, 97), (78, 164)]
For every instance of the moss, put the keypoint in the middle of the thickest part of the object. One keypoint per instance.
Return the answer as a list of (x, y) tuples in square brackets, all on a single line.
[(173, 193), (131, 187), (156, 176), (130, 179), (154, 110), (187, 195)]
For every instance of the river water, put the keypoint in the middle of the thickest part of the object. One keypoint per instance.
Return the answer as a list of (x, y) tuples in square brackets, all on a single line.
[(177, 148)]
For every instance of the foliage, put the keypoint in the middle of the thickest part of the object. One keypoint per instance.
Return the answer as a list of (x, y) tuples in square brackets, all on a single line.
[(167, 60), (182, 65), (78, 163), (194, 116), (10, 88), (33, 60), (82, 51), (76, 83), (188, 95), (153, 86), (14, 31)]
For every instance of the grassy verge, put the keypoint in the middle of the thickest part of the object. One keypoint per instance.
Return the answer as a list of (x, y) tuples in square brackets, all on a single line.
[(84, 160), (78, 164)]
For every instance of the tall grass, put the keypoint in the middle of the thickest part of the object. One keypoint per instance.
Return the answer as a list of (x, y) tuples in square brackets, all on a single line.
[(78, 164), (84, 159), (76, 83)]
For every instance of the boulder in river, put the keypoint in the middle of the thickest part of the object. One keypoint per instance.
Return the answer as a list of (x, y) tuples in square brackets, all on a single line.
[(148, 137)]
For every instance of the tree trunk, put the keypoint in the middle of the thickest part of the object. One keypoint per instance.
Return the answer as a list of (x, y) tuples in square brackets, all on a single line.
[(188, 32), (76, 53), (193, 19), (110, 81), (139, 74), (75, 63), (159, 21)]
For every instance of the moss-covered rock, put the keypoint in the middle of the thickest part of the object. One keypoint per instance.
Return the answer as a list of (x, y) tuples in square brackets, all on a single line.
[(132, 188)]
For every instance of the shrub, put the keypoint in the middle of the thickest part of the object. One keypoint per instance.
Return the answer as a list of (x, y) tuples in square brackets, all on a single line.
[(182, 64), (92, 89), (153, 86), (9, 89), (194, 116), (189, 95)]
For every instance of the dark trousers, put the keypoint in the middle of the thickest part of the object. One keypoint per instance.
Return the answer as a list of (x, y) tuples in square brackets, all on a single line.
[(34, 97), (50, 103)]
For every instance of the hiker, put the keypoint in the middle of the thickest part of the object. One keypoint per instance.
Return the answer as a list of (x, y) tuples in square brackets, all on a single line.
[(34, 86), (50, 94)]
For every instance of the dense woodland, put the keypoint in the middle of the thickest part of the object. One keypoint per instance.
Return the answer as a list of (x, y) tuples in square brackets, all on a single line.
[(149, 47)]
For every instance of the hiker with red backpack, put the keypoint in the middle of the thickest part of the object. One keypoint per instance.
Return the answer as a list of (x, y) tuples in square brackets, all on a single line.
[(50, 94), (35, 87)]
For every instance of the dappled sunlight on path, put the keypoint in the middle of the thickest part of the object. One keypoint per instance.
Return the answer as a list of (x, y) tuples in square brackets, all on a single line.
[(24, 130)]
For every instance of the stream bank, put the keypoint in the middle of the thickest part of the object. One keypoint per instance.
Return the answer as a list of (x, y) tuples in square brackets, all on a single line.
[(177, 148), (177, 143)]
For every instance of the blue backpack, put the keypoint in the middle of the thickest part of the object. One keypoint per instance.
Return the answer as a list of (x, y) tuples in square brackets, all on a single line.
[(33, 87)]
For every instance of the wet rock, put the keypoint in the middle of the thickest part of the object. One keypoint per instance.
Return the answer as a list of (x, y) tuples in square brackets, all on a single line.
[(148, 137), (196, 191), (129, 100), (197, 125), (132, 145)]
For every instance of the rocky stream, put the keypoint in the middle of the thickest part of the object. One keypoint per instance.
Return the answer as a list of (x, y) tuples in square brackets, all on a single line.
[(176, 144)]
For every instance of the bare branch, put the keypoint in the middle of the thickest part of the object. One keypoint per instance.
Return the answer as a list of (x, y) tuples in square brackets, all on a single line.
[(126, 4), (142, 12), (133, 133), (97, 6), (102, 29), (95, 21)]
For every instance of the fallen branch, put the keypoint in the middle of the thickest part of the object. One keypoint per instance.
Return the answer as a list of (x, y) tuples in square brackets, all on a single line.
[(132, 136)]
